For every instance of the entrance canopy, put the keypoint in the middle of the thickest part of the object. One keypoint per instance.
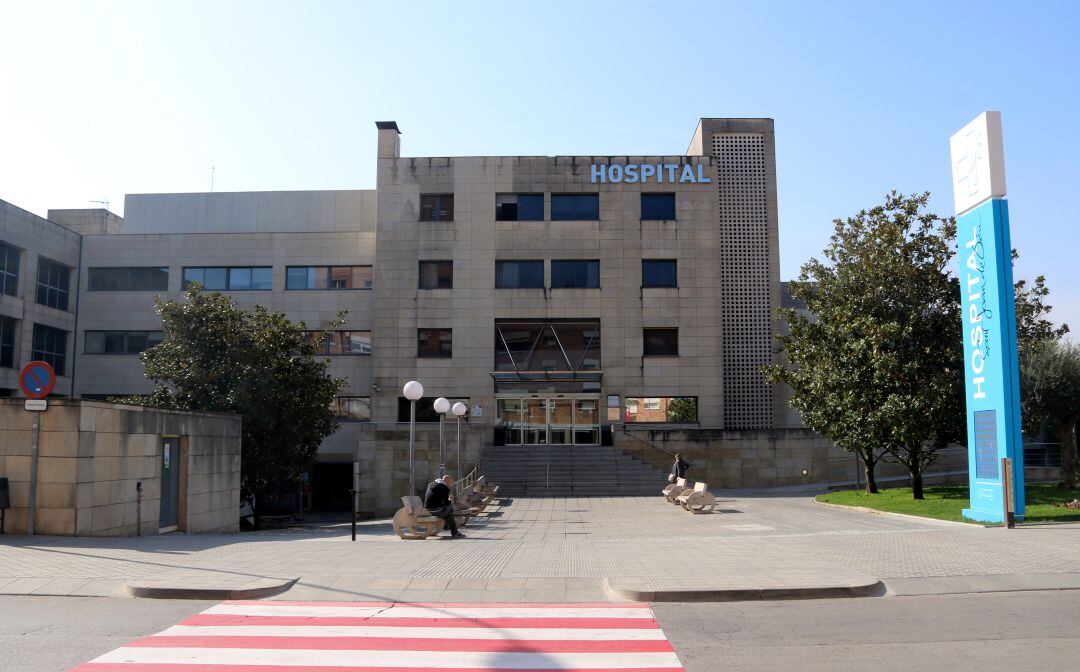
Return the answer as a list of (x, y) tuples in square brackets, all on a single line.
[(538, 354)]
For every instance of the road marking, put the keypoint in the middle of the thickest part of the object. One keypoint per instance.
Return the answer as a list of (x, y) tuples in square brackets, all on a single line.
[(246, 636)]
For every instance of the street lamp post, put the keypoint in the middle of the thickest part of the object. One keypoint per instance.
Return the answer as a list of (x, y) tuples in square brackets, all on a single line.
[(459, 410), (442, 405), (412, 391)]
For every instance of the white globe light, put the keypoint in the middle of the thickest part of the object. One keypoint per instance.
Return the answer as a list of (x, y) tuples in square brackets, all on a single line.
[(460, 409), (442, 405), (413, 390)]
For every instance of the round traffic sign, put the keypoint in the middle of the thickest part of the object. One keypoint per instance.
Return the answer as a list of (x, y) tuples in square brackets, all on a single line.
[(37, 380)]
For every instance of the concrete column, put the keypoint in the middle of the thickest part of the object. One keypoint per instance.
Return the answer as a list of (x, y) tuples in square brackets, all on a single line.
[(389, 139)]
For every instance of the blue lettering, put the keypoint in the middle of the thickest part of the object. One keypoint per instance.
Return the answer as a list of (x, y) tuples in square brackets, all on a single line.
[(647, 169), (701, 175), (687, 174), (671, 168), (631, 173), (597, 173), (615, 173)]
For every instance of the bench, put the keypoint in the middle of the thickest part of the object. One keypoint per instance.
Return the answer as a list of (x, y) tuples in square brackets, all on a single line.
[(487, 492), (413, 521), (698, 500), (678, 490), (679, 483)]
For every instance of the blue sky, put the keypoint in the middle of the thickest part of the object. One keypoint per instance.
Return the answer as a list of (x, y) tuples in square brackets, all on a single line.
[(99, 99)]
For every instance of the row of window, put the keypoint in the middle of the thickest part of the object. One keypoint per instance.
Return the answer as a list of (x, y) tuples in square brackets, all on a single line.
[(53, 279), (656, 342), (565, 273), (530, 207)]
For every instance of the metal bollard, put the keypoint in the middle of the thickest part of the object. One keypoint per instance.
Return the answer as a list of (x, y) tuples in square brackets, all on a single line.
[(138, 508), (353, 493)]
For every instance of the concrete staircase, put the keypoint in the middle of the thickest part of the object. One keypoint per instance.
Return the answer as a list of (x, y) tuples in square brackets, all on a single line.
[(569, 471)]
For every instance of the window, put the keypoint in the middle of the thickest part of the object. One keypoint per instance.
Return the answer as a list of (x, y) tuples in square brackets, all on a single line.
[(425, 409), (343, 342), (9, 269), (565, 207), (436, 207), (661, 409), (519, 207), (328, 277), (7, 342), (575, 273), (434, 343), (352, 409), (658, 206), (519, 274), (436, 275), (659, 273), (50, 346), (53, 283), (120, 342), (134, 279), (233, 279), (661, 343)]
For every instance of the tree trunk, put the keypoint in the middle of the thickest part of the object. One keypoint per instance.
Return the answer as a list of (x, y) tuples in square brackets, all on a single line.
[(916, 482), (1070, 461), (871, 480)]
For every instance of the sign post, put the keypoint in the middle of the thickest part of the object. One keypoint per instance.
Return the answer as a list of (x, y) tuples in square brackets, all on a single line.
[(991, 372), (37, 380)]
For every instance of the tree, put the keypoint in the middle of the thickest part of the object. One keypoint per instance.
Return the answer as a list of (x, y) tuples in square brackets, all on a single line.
[(682, 409), (1050, 398), (878, 366), (1032, 326), (255, 364)]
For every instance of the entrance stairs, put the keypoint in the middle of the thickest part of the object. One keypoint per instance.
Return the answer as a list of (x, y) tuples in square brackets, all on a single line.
[(569, 471)]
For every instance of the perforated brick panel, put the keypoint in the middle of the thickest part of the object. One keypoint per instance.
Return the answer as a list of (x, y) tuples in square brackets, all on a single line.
[(744, 273)]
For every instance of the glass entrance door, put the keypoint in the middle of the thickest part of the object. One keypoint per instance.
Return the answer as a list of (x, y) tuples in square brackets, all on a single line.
[(555, 421)]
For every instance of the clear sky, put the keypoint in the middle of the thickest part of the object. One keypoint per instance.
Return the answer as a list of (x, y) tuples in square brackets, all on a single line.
[(100, 99)]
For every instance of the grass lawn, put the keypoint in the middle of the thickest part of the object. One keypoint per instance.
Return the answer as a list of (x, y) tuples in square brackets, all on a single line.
[(945, 502)]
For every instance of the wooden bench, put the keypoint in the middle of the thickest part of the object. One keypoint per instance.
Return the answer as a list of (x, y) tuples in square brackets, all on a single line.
[(698, 500), (413, 521), (488, 492), (679, 483), (679, 490)]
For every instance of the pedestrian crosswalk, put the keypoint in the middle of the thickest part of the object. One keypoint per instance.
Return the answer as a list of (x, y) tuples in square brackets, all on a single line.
[(260, 636)]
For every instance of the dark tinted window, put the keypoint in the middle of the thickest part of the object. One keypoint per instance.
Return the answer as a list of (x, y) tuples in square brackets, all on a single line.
[(436, 275), (50, 346), (575, 207), (434, 343), (120, 342), (328, 277), (355, 409), (7, 342), (658, 206), (436, 207), (235, 278), (9, 270), (519, 274), (575, 273), (519, 207), (659, 273), (53, 283), (425, 409), (342, 342), (133, 279), (661, 343)]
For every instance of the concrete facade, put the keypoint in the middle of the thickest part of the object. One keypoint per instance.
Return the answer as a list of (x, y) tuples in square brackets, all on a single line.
[(92, 454)]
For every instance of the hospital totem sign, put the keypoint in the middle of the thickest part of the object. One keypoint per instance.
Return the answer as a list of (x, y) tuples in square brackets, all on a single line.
[(991, 373)]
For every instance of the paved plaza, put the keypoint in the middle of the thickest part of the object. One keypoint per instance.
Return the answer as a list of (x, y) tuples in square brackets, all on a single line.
[(573, 550)]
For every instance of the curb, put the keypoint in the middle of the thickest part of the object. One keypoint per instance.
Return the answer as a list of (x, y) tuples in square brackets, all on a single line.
[(864, 509), (624, 590), (164, 590)]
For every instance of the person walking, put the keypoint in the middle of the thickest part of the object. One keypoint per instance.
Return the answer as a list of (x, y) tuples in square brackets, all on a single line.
[(678, 470), (437, 502)]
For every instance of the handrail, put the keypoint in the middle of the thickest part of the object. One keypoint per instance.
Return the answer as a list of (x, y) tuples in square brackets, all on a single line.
[(646, 442)]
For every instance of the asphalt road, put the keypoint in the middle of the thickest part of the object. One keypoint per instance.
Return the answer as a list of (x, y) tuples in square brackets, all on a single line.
[(980, 632), (983, 633)]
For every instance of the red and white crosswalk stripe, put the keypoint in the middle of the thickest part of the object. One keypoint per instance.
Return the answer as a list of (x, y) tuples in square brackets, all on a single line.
[(247, 636)]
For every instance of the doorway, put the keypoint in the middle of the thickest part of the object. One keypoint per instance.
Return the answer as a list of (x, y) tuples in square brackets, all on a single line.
[(556, 421), (170, 484)]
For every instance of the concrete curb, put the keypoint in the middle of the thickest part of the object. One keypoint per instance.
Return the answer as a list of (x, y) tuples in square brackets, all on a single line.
[(175, 590), (924, 519), (641, 591)]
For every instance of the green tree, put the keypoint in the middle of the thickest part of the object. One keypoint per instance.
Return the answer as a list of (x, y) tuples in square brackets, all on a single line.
[(877, 366), (1032, 325), (1050, 398), (682, 409), (255, 364)]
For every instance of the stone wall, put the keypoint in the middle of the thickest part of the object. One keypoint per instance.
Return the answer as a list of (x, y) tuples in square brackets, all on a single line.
[(92, 454)]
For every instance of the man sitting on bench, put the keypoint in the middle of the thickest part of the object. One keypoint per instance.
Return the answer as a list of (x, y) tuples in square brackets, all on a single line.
[(437, 502)]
